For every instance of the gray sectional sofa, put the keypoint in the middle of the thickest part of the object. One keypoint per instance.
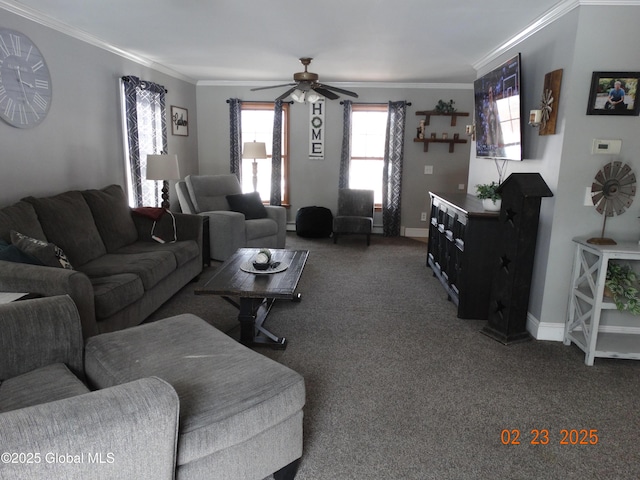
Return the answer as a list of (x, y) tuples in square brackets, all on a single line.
[(90, 245), (175, 398), (53, 426)]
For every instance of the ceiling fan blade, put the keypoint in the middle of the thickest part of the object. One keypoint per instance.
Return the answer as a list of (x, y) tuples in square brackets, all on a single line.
[(286, 94), (326, 93), (339, 90), (273, 86)]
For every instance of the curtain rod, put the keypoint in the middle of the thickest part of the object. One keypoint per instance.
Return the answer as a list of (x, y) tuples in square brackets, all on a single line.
[(371, 103), (290, 102), (126, 78)]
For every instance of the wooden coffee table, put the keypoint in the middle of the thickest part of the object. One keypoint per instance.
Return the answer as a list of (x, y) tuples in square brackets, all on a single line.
[(257, 291)]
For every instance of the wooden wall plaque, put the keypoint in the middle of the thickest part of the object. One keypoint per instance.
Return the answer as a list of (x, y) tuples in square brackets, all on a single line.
[(552, 81)]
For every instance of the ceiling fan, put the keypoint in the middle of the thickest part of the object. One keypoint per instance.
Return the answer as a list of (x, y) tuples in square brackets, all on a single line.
[(307, 88)]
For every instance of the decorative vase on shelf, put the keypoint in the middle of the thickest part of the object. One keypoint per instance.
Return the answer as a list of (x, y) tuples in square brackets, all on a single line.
[(491, 205)]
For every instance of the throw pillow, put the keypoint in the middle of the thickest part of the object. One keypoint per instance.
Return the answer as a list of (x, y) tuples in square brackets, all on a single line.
[(249, 204), (48, 253), (11, 253)]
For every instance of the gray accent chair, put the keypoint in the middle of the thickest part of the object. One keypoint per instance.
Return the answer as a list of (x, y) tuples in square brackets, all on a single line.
[(53, 426), (355, 213), (229, 230)]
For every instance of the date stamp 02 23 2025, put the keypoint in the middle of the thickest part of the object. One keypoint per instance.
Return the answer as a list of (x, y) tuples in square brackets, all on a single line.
[(542, 436)]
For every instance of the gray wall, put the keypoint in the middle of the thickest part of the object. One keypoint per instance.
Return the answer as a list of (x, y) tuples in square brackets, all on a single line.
[(580, 43), (315, 182), (79, 144)]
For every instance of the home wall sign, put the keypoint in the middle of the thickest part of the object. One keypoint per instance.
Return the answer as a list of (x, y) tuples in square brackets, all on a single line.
[(316, 130)]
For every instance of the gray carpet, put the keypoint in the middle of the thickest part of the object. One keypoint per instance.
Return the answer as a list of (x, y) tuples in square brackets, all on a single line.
[(399, 388)]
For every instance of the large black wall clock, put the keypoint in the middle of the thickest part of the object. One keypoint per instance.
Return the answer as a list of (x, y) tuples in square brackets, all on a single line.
[(25, 82)]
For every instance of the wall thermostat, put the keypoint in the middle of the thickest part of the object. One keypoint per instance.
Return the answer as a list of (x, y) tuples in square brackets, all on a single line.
[(606, 147)]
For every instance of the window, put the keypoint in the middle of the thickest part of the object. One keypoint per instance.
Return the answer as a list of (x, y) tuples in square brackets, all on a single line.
[(368, 132), (257, 125)]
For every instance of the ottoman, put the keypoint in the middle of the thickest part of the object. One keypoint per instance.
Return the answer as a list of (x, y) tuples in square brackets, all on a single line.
[(240, 412)]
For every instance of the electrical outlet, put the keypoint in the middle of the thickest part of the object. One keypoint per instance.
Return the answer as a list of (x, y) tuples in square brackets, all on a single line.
[(461, 186), (423, 217), (428, 169)]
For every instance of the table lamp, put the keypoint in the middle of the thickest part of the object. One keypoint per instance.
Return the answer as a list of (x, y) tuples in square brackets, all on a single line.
[(163, 167), (254, 150)]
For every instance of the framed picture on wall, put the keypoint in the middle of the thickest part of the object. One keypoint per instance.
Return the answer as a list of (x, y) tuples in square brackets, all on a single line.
[(613, 93), (179, 121)]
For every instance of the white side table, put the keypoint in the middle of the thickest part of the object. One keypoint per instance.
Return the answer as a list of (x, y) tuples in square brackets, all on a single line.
[(586, 302)]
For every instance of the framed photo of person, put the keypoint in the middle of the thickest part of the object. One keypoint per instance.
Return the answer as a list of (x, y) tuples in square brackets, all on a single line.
[(179, 121), (614, 93)]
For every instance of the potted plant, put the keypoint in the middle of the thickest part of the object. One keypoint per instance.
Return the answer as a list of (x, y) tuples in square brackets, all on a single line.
[(622, 283), (489, 195)]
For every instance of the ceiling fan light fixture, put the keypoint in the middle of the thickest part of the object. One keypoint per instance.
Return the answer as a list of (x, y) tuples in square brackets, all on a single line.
[(298, 96), (313, 97)]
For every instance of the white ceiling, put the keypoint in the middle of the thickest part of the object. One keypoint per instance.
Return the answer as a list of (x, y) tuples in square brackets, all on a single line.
[(396, 41)]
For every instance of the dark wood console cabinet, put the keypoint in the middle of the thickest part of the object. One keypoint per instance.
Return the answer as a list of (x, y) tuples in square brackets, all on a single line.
[(463, 241)]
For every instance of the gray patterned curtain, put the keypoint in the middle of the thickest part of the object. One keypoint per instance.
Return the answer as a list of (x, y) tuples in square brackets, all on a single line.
[(276, 156), (345, 156), (392, 172), (235, 135), (146, 133)]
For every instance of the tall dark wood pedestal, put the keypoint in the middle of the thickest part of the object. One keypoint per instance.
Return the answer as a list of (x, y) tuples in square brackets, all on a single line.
[(513, 265)]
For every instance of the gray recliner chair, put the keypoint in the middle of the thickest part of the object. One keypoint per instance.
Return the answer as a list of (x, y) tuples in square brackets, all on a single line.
[(230, 230), (355, 213)]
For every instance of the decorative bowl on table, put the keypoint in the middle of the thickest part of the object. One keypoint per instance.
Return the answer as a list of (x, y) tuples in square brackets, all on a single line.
[(262, 260)]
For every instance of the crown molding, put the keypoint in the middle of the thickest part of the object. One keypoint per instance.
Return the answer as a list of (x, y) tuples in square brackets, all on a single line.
[(255, 84), (546, 19), (44, 20)]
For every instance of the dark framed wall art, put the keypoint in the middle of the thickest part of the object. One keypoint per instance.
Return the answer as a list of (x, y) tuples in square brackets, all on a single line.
[(613, 93), (179, 121)]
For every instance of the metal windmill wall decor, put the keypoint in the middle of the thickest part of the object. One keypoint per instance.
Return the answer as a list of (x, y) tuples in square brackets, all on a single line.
[(612, 192)]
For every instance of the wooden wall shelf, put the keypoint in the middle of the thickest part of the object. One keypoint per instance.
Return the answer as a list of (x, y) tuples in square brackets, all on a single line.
[(429, 113), (450, 141)]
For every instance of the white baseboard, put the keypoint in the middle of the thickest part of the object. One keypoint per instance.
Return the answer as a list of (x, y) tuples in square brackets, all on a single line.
[(416, 232), (544, 330)]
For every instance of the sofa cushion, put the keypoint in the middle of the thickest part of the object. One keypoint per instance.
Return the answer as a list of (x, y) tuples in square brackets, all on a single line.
[(228, 393), (67, 221), (260, 228), (112, 216), (46, 384), (11, 253), (112, 294), (21, 217), (151, 267), (48, 254), (184, 250), (249, 204)]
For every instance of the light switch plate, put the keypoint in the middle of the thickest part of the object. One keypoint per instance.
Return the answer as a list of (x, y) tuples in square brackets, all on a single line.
[(428, 169)]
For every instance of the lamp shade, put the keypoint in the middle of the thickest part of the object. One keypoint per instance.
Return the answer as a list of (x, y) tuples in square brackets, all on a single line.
[(313, 96), (298, 96), (254, 150), (163, 167)]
